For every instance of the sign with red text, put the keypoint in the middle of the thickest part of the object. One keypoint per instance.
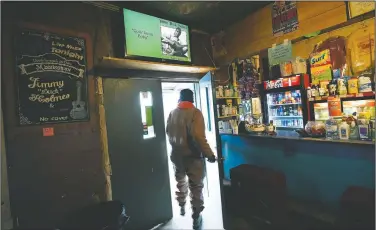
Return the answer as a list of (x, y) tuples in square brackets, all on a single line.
[(48, 132), (284, 17), (282, 82)]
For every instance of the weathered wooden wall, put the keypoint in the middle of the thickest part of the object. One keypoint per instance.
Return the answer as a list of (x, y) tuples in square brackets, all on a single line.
[(50, 176), (254, 33)]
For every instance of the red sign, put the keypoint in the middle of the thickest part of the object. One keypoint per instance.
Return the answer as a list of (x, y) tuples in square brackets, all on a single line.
[(284, 17), (48, 132), (282, 82), (334, 106)]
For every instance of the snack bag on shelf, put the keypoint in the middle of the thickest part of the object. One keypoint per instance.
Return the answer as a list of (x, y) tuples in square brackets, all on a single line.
[(361, 49), (365, 81)]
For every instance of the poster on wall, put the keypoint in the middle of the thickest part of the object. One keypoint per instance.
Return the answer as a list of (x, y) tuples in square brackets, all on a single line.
[(355, 9), (51, 78), (284, 17), (280, 53)]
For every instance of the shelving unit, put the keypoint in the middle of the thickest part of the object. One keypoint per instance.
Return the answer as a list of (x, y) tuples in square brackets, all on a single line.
[(228, 116), (287, 116), (228, 98), (286, 104), (358, 95)]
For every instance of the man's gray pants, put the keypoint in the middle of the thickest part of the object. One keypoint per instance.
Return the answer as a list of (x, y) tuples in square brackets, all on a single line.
[(194, 169)]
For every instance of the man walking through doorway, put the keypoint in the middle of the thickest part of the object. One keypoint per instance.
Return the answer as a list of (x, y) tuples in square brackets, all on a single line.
[(186, 134)]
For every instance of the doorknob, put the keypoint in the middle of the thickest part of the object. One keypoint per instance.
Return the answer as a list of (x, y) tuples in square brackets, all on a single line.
[(221, 159)]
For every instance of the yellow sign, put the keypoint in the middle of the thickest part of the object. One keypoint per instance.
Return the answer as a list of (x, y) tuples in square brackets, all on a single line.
[(320, 58), (359, 8)]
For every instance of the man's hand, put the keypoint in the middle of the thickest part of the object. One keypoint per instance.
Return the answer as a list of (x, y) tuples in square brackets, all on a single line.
[(211, 159)]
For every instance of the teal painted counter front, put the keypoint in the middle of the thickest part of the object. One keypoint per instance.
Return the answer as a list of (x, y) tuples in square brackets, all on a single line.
[(315, 170)]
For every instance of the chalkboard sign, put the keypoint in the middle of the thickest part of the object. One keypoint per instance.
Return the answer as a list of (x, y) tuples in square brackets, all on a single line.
[(52, 78)]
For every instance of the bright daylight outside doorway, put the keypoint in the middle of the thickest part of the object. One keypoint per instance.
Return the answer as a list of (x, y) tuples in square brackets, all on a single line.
[(212, 214)]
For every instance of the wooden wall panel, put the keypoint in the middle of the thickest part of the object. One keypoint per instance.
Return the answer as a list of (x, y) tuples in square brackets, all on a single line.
[(49, 176), (254, 33)]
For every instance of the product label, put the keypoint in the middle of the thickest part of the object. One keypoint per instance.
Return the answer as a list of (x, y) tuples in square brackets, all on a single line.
[(282, 82), (334, 106), (364, 45), (353, 86), (343, 132), (321, 73), (366, 87), (363, 132), (320, 58)]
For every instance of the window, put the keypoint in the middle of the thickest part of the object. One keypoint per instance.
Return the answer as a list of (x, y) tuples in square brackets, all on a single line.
[(146, 102)]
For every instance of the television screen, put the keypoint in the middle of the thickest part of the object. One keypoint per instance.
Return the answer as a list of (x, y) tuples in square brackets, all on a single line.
[(149, 36)]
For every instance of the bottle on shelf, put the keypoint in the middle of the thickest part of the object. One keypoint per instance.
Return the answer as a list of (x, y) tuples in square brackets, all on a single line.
[(218, 111), (344, 130), (298, 97), (295, 110), (331, 126), (300, 112), (279, 111)]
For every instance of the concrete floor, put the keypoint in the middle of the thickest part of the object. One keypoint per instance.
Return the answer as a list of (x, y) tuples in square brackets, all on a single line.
[(212, 215)]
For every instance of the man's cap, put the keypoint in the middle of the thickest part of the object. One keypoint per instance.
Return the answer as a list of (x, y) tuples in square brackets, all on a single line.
[(186, 95)]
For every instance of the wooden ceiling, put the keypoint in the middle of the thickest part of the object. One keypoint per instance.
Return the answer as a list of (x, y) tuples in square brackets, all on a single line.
[(208, 16)]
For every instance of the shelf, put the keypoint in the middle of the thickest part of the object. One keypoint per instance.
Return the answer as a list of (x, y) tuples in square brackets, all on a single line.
[(221, 117), (228, 98), (123, 63), (287, 116), (357, 95), (292, 127), (286, 104)]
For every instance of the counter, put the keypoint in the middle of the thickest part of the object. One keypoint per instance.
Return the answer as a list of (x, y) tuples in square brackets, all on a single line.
[(315, 169)]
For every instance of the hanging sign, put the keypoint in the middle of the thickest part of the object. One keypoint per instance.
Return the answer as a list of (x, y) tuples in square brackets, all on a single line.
[(52, 81), (284, 17), (280, 53)]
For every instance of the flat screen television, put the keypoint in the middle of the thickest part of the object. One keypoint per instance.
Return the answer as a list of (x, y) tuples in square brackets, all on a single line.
[(152, 37)]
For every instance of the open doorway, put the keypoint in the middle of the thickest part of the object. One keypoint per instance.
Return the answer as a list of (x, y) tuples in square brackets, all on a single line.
[(212, 215)]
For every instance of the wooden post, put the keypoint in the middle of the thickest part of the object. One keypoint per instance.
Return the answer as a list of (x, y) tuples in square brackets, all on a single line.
[(103, 139)]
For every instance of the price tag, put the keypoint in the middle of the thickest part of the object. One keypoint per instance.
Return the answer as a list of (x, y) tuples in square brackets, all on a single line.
[(359, 95), (48, 132)]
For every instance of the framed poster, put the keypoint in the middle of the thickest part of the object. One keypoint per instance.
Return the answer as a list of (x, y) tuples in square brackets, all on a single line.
[(284, 17), (355, 9), (51, 78)]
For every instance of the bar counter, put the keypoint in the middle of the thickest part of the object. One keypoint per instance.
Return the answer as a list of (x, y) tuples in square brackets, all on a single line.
[(316, 169)]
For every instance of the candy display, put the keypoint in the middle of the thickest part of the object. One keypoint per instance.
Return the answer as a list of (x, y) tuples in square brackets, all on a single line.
[(248, 82), (315, 129)]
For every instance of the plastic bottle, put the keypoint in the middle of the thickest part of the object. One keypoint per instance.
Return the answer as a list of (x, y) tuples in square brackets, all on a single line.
[(331, 126), (344, 130)]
